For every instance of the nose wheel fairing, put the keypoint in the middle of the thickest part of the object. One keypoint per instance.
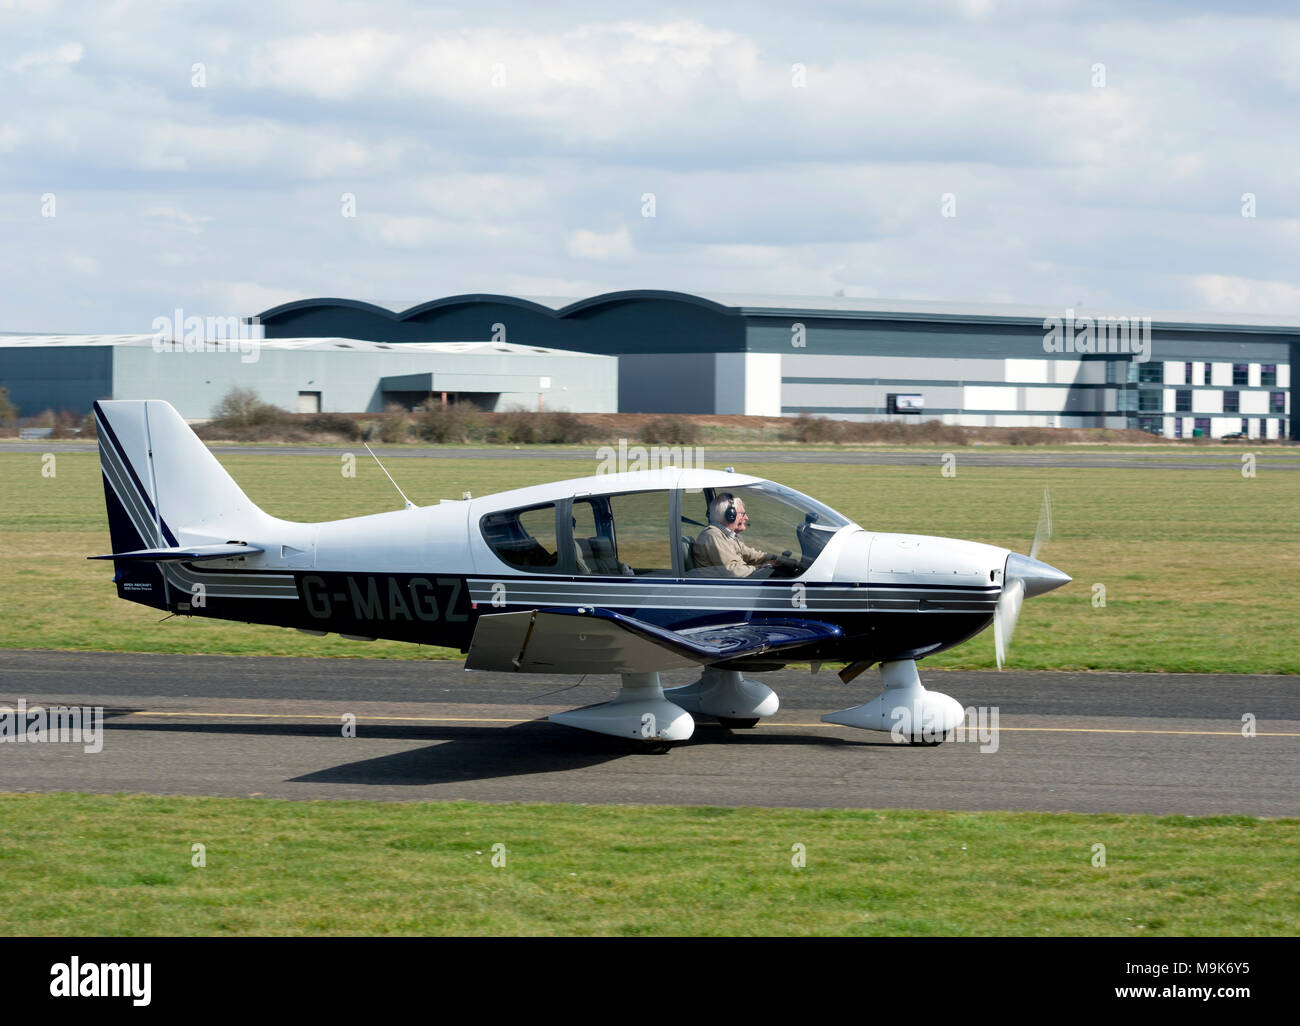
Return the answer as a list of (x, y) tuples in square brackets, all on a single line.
[(905, 706)]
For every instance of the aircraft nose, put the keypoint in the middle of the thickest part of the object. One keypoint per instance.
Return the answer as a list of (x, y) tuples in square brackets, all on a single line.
[(1038, 576)]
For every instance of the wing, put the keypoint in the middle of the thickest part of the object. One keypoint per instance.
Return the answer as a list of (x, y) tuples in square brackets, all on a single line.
[(592, 640)]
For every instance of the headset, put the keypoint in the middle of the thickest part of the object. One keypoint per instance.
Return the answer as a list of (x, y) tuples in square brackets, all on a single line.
[(729, 514)]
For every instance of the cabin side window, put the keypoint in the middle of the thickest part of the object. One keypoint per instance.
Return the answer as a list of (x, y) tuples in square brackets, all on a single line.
[(622, 535), (524, 538)]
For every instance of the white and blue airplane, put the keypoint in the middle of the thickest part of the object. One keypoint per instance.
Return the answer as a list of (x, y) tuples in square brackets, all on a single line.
[(597, 575)]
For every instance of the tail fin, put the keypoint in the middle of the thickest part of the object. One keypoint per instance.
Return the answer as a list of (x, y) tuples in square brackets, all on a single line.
[(162, 485)]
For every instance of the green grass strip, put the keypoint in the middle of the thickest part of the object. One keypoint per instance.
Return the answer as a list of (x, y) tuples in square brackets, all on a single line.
[(73, 864)]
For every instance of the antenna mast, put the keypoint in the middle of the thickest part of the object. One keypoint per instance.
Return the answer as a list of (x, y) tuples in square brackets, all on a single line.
[(409, 503)]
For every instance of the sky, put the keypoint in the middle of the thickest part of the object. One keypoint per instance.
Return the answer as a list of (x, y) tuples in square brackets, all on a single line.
[(224, 158)]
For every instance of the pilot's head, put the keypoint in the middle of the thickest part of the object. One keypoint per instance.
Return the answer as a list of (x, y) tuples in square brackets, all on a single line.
[(729, 512)]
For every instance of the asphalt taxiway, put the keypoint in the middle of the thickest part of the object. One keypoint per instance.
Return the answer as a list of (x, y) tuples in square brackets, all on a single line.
[(1170, 744)]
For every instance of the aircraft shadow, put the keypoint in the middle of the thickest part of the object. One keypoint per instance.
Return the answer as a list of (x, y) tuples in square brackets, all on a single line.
[(529, 748), (464, 754)]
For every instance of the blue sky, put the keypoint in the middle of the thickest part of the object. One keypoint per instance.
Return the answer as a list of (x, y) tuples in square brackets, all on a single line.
[(795, 149)]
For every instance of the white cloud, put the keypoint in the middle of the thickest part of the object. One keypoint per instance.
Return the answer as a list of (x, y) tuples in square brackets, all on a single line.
[(588, 245), (64, 53), (177, 218), (409, 232), (1118, 196), (244, 298), (1247, 295)]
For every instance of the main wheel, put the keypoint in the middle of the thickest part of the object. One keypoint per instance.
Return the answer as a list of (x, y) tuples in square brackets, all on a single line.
[(922, 742)]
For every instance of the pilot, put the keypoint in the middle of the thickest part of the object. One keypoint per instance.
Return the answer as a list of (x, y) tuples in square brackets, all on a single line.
[(719, 548)]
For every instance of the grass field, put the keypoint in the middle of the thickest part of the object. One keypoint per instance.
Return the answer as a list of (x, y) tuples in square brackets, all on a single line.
[(122, 865), (1197, 566)]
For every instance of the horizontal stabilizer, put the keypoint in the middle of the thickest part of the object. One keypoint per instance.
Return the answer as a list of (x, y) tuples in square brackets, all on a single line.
[(190, 553), (592, 640)]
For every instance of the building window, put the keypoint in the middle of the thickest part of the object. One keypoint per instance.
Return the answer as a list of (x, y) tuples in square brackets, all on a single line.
[(1151, 425), (1151, 372), (1202, 427), (1187, 374), (1121, 372), (1178, 427), (1241, 374), (1268, 374), (1183, 400), (1277, 402), (1151, 399), (1231, 402), (1209, 376), (1245, 426), (905, 403)]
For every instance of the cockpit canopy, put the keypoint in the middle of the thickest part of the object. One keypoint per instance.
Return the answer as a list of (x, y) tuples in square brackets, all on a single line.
[(666, 533)]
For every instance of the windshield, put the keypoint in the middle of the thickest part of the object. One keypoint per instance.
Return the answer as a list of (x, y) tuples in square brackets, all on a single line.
[(764, 530)]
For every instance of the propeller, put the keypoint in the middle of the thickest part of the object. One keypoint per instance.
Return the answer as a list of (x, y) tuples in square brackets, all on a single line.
[(1024, 576)]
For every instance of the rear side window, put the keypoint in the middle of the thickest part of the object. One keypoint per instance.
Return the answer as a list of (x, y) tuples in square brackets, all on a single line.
[(524, 538)]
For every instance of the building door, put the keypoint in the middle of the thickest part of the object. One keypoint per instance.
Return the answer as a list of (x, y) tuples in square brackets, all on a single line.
[(309, 402)]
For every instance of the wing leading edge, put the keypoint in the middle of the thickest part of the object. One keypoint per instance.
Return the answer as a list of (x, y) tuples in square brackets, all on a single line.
[(593, 640)]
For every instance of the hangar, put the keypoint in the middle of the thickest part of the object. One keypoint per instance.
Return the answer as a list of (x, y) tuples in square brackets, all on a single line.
[(307, 375), (863, 359)]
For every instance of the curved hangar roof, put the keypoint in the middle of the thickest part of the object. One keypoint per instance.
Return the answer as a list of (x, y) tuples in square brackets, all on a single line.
[(659, 321), (614, 323)]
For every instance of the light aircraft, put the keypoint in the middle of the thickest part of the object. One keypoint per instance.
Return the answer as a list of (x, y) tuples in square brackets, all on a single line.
[(597, 575)]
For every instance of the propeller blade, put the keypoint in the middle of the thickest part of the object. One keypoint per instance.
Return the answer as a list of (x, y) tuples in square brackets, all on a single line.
[(1005, 614), (1043, 532), (1024, 575)]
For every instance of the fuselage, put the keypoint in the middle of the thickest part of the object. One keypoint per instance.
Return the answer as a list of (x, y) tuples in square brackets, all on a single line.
[(622, 542)]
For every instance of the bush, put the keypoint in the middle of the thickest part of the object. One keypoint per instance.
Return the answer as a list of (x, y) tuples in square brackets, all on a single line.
[(1030, 436), (813, 429), (72, 425), (523, 427), (8, 411), (453, 423), (241, 407), (395, 424), (822, 430), (332, 424), (670, 431)]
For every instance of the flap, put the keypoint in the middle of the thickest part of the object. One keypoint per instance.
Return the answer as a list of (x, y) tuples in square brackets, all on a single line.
[(593, 640)]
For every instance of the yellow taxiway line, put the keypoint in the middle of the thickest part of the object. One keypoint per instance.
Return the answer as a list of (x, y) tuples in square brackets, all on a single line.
[(490, 719)]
